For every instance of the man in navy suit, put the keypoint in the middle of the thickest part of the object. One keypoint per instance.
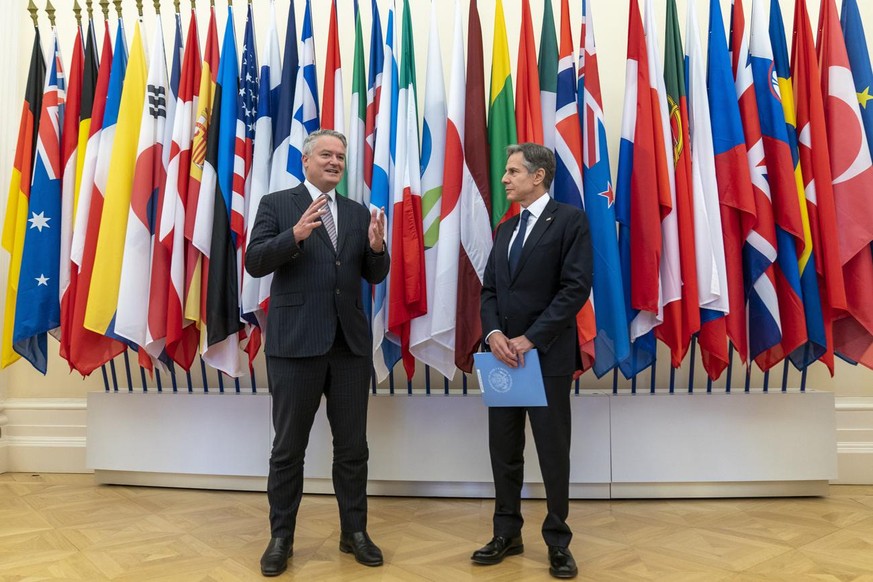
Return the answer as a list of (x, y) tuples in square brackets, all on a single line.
[(537, 279), (318, 246)]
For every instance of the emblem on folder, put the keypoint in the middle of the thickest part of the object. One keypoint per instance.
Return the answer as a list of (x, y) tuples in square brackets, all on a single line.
[(500, 380)]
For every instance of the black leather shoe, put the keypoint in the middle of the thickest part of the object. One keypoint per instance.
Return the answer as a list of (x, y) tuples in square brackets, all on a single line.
[(561, 563), (360, 544), (498, 548), (275, 558)]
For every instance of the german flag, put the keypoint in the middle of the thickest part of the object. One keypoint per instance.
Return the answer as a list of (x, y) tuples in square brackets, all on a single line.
[(15, 222)]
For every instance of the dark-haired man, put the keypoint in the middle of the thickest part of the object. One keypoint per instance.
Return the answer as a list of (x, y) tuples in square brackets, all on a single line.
[(537, 279)]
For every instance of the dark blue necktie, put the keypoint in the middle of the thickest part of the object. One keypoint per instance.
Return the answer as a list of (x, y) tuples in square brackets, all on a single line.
[(515, 249)]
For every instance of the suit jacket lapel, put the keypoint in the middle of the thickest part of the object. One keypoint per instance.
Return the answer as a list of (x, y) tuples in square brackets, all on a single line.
[(502, 245), (542, 224)]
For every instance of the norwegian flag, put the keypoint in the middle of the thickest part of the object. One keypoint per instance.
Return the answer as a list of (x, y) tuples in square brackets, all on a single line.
[(567, 142)]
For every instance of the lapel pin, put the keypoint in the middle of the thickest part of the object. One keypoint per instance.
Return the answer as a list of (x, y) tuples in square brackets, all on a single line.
[(549, 219)]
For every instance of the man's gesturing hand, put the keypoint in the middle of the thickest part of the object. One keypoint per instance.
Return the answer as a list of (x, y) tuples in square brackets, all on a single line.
[(311, 219), (376, 231)]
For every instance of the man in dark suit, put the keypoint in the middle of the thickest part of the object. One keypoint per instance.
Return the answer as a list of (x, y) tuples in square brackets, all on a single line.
[(318, 246), (537, 278)]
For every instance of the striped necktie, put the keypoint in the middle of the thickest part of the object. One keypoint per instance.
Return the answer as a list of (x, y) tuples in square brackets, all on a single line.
[(329, 224)]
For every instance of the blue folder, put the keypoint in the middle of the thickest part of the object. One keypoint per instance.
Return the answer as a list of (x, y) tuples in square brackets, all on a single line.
[(505, 386)]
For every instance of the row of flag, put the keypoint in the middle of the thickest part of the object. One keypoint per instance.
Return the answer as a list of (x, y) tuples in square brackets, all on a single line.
[(138, 174)]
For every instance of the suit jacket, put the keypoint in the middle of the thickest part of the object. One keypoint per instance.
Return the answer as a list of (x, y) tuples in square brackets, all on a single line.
[(550, 285), (315, 288)]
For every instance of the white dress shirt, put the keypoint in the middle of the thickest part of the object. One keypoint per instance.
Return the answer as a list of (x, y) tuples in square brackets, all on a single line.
[(536, 209), (331, 200)]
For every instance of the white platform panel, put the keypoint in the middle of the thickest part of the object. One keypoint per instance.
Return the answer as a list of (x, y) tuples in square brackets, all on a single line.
[(645, 445), (418, 445), (199, 434), (736, 437)]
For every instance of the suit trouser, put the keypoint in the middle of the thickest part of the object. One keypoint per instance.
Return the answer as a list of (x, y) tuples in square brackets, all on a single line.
[(297, 385), (550, 426)]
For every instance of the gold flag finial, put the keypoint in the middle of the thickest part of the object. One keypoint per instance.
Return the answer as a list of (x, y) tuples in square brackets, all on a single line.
[(34, 13), (139, 8), (176, 4), (157, 5), (50, 10), (117, 4), (90, 9), (77, 10), (193, 5), (104, 7)]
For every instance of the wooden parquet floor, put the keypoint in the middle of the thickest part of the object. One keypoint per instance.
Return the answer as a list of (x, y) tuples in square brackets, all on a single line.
[(63, 527)]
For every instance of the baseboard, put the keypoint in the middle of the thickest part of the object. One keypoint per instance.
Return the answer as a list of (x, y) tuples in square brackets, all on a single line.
[(719, 490), (325, 486), (181, 481)]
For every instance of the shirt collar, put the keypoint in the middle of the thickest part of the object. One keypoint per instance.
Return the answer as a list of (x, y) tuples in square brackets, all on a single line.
[(537, 207), (315, 192)]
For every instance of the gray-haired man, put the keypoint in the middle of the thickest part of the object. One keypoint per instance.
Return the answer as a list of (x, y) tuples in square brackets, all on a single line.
[(318, 246)]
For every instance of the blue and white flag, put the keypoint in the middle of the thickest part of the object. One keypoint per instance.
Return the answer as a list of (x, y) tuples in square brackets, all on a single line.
[(306, 117), (280, 179)]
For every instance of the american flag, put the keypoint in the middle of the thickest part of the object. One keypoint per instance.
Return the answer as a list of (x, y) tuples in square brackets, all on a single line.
[(247, 112)]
